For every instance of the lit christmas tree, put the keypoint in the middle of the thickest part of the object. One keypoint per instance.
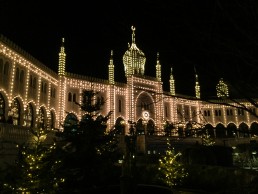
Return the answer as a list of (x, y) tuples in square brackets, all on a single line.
[(207, 140), (172, 172), (36, 167)]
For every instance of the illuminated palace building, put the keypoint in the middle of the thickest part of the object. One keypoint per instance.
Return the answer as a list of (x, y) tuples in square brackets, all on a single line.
[(32, 95)]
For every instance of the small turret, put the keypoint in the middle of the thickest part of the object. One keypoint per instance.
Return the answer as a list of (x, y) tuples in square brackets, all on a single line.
[(158, 69), (197, 86), (111, 76), (172, 83), (61, 63)]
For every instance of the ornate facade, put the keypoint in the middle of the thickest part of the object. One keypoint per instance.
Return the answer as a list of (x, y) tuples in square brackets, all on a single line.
[(32, 95)]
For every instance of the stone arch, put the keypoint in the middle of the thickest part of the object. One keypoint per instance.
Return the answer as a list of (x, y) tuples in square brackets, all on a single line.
[(71, 119), (15, 112), (231, 130), (71, 122), (220, 131), (3, 107), (120, 125), (210, 130), (145, 101), (254, 129), (243, 130)]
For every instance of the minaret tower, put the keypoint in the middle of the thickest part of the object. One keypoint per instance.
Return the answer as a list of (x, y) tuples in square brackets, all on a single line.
[(158, 69), (111, 74), (61, 64), (172, 84), (197, 86), (62, 84), (111, 93)]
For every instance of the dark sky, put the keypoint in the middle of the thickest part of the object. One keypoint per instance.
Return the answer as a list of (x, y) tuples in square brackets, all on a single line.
[(217, 38)]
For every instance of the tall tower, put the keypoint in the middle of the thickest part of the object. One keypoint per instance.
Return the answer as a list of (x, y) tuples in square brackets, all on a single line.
[(158, 69), (197, 86), (61, 64), (62, 84), (172, 83), (111, 93), (111, 74)]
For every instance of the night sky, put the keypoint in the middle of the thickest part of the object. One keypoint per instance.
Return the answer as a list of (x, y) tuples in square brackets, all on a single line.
[(217, 38)]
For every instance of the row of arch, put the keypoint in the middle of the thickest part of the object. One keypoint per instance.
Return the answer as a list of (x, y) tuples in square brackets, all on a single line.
[(27, 116), (140, 127), (232, 130), (148, 128)]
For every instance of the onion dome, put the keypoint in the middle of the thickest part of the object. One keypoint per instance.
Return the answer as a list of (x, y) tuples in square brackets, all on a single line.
[(134, 59)]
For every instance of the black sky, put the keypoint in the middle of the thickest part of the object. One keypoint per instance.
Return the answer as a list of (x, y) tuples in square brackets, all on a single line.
[(217, 38)]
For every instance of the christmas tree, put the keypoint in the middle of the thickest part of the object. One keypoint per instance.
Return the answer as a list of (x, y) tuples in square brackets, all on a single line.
[(172, 172)]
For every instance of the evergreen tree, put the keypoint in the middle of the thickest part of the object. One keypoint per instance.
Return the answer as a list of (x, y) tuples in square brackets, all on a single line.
[(207, 140), (90, 150), (172, 172), (36, 167)]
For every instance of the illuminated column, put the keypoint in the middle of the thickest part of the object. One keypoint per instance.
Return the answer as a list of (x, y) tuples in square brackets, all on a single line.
[(224, 115), (130, 100), (12, 83), (27, 87), (48, 103), (158, 69), (38, 95), (159, 106), (62, 99), (213, 116), (172, 84)]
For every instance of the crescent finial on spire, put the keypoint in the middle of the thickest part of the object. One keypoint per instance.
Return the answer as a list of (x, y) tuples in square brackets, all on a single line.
[(133, 35)]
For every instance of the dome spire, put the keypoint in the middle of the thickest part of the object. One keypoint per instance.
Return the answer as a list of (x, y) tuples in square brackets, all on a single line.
[(134, 59), (133, 34)]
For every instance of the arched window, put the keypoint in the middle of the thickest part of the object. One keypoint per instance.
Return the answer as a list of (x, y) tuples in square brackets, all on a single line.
[(70, 120), (69, 97), (74, 97), (14, 113), (2, 108)]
